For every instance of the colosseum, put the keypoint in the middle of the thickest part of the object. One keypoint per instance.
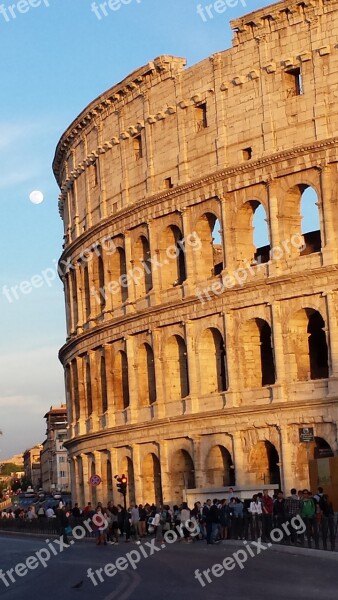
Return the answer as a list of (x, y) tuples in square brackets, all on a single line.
[(195, 355)]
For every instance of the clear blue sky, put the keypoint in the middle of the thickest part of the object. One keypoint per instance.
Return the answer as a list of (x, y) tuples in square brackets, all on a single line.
[(55, 60)]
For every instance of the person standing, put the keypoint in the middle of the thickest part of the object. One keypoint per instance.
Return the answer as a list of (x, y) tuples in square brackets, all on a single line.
[(292, 509), (308, 514), (267, 515), (255, 510)]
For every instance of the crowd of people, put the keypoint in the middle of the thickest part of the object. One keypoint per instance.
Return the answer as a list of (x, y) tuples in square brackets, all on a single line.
[(217, 520)]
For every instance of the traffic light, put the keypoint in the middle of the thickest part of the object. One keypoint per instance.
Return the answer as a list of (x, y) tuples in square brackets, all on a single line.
[(122, 484)]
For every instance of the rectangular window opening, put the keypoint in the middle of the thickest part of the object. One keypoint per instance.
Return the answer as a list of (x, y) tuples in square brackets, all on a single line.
[(168, 184), (201, 117), (247, 153), (137, 143), (294, 82)]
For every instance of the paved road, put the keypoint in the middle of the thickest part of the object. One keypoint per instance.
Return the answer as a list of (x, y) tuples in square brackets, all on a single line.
[(166, 575)]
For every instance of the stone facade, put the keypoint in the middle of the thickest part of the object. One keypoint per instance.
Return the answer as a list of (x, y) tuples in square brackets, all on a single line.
[(193, 357), (32, 465), (55, 471)]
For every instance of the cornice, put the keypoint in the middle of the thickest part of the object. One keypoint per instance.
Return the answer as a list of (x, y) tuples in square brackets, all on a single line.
[(281, 407)]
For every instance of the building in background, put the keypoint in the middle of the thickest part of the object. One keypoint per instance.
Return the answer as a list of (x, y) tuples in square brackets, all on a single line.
[(54, 456), (32, 466), (195, 358)]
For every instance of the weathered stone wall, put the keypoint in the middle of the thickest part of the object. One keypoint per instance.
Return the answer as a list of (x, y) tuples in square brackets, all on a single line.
[(192, 356)]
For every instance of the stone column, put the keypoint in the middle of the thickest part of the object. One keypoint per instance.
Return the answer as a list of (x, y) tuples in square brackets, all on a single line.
[(73, 479), (155, 275), (228, 237), (279, 393), (231, 359), (192, 365), (98, 471), (136, 458), (132, 379), (189, 283), (180, 107), (286, 461), (159, 374), (328, 209), (114, 465), (198, 462), (96, 391), (129, 266), (165, 471), (82, 394), (332, 340), (87, 492), (238, 460)]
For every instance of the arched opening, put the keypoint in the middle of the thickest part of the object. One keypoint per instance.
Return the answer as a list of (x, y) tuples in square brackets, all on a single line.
[(176, 368), (152, 485), (261, 235), (258, 368), (310, 351), (121, 383), (252, 233), (322, 449), (146, 375), (142, 267), (220, 470), (209, 255), (182, 474), (127, 469), (172, 255), (212, 360), (318, 350), (119, 287), (310, 220), (264, 464), (89, 395), (217, 247)]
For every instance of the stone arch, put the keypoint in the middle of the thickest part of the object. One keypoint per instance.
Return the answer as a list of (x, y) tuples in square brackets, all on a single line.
[(219, 467), (319, 448), (127, 469), (151, 476), (120, 380), (172, 255), (209, 255), (212, 361), (258, 368), (309, 345), (182, 474), (292, 215), (252, 215), (142, 267), (264, 464), (176, 368), (146, 375)]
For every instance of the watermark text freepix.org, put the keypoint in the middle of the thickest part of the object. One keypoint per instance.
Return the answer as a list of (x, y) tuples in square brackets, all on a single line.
[(252, 549), (132, 558), (52, 548), (12, 11), (218, 7), (101, 9)]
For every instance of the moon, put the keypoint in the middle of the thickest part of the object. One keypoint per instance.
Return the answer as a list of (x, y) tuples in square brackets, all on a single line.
[(36, 197)]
